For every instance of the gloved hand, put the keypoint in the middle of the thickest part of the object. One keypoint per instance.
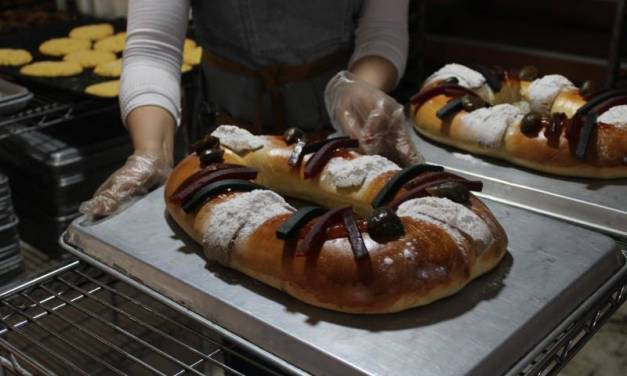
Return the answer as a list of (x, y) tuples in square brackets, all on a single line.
[(140, 173), (366, 113)]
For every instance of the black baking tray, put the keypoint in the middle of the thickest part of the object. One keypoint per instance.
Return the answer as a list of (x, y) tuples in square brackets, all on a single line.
[(32, 38)]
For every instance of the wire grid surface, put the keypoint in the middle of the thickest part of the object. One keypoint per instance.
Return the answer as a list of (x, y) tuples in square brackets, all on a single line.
[(46, 110), (80, 320)]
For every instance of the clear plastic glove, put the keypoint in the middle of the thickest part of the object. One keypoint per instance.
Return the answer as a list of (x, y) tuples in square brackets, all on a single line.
[(362, 111), (141, 173)]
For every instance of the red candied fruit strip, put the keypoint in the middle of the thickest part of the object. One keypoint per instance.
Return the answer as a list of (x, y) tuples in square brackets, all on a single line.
[(324, 154), (205, 177), (421, 190), (315, 237)]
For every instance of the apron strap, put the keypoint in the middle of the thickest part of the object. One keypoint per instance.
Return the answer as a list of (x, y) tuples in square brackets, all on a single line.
[(275, 76)]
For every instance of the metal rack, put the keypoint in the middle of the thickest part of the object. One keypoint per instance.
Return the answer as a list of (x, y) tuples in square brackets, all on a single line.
[(46, 110), (77, 319), (550, 356)]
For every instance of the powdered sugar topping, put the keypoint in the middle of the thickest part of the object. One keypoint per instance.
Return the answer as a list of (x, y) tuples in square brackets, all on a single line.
[(237, 139), (616, 116), (449, 213), (387, 262), (353, 173), (487, 126), (543, 91), (467, 77), (237, 217)]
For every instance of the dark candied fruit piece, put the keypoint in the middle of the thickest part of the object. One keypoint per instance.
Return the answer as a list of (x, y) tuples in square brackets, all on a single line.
[(393, 185), (450, 108), (452, 190), (421, 190), (471, 103), (303, 147), (528, 73), (209, 156), (451, 81), (445, 89), (292, 135), (384, 225), (322, 156), (315, 238), (492, 79), (432, 176), (531, 124), (589, 88), (296, 221), (211, 190), (354, 235), (207, 142), (585, 136), (185, 191)]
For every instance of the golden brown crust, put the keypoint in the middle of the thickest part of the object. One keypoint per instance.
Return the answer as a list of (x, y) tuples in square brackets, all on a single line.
[(604, 160), (424, 265)]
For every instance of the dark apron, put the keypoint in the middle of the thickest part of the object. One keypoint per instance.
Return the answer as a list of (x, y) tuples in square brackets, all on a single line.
[(267, 62)]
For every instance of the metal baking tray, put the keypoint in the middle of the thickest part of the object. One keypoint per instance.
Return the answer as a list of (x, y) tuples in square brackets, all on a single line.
[(32, 38), (600, 204), (13, 97), (552, 267)]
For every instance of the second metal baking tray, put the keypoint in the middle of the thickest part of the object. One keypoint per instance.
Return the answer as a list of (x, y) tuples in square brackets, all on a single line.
[(600, 204), (550, 269)]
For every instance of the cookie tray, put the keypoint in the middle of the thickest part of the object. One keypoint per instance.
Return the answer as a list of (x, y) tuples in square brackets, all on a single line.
[(600, 204), (552, 268)]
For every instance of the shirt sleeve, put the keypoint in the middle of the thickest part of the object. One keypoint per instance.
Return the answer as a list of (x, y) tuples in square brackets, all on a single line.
[(151, 67), (382, 30)]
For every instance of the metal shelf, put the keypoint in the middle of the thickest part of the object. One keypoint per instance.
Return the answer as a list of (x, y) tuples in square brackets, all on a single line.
[(77, 319)]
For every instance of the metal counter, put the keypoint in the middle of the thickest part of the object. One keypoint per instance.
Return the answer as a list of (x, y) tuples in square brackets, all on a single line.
[(550, 271), (600, 204)]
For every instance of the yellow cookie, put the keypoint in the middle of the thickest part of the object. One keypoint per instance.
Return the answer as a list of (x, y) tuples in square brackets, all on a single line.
[(92, 32), (63, 46), (109, 69), (51, 69), (90, 58), (185, 68), (188, 45), (108, 89), (114, 43), (14, 57), (193, 56)]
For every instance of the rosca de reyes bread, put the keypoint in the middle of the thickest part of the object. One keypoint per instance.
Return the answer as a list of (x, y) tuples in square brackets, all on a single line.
[(543, 123), (373, 238)]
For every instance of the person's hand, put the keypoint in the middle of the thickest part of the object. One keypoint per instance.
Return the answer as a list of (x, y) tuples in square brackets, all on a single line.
[(141, 173), (152, 130), (366, 113)]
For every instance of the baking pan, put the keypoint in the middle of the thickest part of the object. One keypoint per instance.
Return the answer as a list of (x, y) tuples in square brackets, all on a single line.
[(13, 97), (31, 39), (550, 269), (600, 204), (77, 147), (75, 85)]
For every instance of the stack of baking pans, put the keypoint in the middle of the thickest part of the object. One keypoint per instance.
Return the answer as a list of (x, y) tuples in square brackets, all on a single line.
[(53, 170), (11, 262)]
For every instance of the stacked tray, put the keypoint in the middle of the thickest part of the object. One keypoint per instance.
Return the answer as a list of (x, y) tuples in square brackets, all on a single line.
[(52, 171), (13, 97), (11, 262)]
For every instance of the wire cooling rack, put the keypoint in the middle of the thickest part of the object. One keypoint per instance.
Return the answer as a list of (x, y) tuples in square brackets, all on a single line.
[(79, 320)]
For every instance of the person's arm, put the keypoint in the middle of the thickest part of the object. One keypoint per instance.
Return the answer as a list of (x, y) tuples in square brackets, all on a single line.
[(381, 43), (149, 101), (356, 100)]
